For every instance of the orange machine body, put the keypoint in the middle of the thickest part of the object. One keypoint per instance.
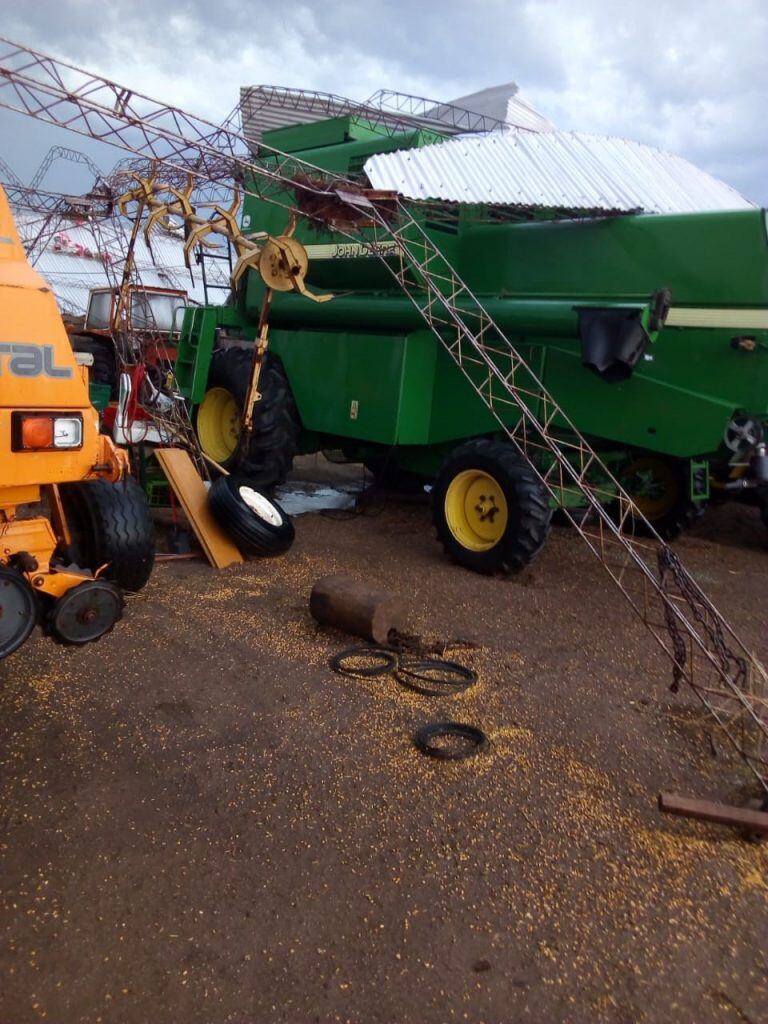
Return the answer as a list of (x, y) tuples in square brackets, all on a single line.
[(40, 377)]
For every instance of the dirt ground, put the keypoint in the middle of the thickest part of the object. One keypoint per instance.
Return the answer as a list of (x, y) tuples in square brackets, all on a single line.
[(200, 822)]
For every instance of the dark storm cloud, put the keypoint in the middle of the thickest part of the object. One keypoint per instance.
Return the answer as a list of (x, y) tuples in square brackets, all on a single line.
[(689, 76)]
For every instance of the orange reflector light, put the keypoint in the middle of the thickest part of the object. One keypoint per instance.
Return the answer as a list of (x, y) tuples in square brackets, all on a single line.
[(37, 432), (45, 431)]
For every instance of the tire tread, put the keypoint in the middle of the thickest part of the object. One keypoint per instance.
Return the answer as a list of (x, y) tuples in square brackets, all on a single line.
[(119, 529), (516, 549), (276, 422)]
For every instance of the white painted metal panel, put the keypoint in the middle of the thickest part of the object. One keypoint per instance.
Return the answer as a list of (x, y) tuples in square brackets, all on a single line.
[(563, 170)]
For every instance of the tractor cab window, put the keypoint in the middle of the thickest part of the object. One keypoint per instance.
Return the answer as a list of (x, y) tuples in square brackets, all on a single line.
[(99, 310), (154, 310)]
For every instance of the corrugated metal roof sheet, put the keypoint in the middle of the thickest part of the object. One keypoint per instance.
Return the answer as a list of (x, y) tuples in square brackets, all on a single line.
[(506, 104), (561, 170), (71, 272), (265, 107)]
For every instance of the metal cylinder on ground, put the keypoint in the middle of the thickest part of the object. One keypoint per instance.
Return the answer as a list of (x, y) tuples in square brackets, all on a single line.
[(351, 606)]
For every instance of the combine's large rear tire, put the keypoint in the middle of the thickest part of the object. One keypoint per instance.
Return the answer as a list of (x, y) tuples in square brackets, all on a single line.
[(490, 509), (111, 523), (276, 422), (659, 487)]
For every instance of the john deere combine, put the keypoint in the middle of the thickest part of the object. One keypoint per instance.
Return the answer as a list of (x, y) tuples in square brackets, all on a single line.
[(651, 331)]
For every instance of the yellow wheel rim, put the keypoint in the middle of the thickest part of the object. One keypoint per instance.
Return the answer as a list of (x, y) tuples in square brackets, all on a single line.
[(476, 510), (653, 485), (219, 424)]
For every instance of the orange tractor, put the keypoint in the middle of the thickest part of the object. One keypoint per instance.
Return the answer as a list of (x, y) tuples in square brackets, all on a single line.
[(75, 530)]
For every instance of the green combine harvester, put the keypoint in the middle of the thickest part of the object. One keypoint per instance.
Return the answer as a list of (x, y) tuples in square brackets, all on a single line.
[(649, 329)]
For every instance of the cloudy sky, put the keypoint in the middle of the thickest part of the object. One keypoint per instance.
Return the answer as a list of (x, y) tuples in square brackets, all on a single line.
[(690, 76)]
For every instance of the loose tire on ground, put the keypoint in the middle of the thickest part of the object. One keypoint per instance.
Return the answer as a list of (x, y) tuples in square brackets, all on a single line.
[(254, 522), (276, 422), (491, 511), (110, 522), (660, 488)]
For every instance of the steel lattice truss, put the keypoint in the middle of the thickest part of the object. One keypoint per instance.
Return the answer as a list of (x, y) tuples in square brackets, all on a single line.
[(704, 650), (53, 210), (71, 156), (7, 174), (386, 112), (442, 117)]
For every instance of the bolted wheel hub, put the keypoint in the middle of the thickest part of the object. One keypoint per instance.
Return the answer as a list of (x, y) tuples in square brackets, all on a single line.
[(219, 424), (476, 510), (486, 508), (86, 612)]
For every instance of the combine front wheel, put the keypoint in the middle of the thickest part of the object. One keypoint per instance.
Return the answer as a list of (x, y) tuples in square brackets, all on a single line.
[(490, 510)]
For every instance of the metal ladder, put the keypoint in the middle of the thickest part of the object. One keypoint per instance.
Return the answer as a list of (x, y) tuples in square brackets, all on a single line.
[(202, 258)]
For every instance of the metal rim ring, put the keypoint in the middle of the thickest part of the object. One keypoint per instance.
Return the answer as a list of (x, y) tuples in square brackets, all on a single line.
[(385, 661), (18, 610), (476, 509), (260, 505), (456, 679), (86, 612), (478, 742), (219, 424)]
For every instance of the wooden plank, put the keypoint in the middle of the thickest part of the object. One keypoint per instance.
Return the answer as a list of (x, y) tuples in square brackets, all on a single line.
[(190, 490), (721, 814)]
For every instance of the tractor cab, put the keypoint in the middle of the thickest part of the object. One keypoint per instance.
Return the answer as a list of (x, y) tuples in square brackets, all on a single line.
[(150, 316), (154, 311)]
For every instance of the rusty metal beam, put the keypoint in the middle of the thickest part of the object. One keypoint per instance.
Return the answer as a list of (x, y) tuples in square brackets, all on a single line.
[(752, 821)]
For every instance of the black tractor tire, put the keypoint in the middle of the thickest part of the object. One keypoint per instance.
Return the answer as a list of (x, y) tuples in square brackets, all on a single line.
[(276, 421), (110, 522), (260, 528), (104, 369), (528, 515), (680, 513)]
